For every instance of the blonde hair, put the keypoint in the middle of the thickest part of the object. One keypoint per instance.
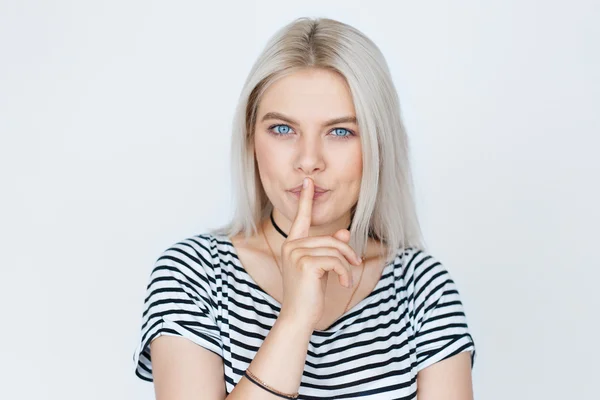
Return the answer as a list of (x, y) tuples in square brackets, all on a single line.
[(385, 209)]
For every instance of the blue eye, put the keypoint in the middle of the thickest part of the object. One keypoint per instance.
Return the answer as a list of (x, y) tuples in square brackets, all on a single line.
[(337, 130), (284, 130)]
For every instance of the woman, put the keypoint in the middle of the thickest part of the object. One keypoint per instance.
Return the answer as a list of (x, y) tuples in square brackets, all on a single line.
[(319, 287)]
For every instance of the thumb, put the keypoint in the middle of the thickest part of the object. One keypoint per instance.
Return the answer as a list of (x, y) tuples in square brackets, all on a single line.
[(343, 235)]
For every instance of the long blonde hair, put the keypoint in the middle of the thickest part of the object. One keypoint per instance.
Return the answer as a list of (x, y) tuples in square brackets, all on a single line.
[(385, 209)]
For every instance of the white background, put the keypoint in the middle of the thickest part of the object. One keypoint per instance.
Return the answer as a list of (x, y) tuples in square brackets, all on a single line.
[(115, 120)]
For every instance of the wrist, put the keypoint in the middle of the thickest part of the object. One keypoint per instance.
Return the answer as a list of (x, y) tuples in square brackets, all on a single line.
[(294, 325)]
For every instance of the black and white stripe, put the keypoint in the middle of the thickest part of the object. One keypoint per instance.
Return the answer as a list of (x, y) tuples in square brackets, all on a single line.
[(412, 319)]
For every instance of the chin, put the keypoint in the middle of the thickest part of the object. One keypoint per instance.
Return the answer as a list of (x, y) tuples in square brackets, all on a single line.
[(324, 216)]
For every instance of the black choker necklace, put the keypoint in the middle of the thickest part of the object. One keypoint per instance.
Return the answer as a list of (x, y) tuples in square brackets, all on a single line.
[(278, 229)]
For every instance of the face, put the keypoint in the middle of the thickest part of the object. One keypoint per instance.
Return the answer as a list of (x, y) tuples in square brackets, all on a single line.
[(296, 137)]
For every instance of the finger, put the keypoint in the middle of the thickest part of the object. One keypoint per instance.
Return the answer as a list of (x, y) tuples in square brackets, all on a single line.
[(343, 235), (326, 264), (300, 252), (301, 223), (330, 241)]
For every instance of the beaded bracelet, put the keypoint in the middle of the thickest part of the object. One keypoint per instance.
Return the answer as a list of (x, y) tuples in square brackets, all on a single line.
[(248, 374)]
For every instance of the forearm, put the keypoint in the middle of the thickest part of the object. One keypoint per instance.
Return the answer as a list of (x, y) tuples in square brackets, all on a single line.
[(279, 362)]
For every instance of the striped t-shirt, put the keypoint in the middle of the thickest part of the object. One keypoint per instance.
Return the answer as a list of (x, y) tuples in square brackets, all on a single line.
[(198, 289)]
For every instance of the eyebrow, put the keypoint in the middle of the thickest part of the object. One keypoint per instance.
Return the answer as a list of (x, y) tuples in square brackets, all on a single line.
[(276, 115)]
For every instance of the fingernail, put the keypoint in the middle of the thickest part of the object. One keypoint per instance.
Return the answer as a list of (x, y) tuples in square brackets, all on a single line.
[(305, 183)]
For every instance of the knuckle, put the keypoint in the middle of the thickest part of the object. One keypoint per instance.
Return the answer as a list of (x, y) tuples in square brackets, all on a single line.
[(296, 255), (289, 250), (294, 249), (336, 261), (287, 247), (303, 262)]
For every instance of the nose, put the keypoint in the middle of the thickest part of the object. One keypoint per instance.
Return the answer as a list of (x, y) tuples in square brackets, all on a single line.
[(309, 158)]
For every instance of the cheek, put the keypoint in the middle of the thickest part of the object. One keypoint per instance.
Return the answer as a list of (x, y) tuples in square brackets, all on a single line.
[(353, 164), (267, 162), (358, 164), (355, 172), (261, 155)]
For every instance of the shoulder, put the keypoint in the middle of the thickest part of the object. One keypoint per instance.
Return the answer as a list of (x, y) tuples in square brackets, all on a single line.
[(421, 273), (434, 307), (197, 264), (193, 256), (196, 248), (417, 263)]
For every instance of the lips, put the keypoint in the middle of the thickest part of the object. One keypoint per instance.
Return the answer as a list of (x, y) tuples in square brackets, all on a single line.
[(318, 189), (316, 195)]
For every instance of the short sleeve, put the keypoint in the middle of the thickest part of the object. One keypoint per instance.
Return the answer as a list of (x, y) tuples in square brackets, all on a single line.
[(440, 324), (180, 301)]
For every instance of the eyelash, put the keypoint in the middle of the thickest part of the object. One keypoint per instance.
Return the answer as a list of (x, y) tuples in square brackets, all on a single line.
[(270, 130)]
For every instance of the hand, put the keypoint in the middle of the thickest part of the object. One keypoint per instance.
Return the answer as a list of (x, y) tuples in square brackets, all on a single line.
[(307, 261)]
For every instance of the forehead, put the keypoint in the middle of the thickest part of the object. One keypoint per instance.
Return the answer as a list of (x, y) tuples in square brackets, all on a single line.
[(309, 95)]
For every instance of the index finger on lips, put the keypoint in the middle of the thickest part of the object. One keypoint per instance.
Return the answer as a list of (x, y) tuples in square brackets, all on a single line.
[(301, 223)]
